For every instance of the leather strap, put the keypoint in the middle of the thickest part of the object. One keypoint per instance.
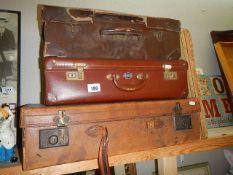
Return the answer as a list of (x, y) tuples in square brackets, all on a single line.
[(103, 154), (101, 131)]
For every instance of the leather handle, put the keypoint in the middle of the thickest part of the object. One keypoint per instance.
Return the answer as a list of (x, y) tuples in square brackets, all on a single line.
[(119, 18), (101, 131), (129, 87), (121, 31), (103, 154)]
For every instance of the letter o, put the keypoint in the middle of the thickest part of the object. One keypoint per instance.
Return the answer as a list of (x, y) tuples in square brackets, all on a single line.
[(218, 85)]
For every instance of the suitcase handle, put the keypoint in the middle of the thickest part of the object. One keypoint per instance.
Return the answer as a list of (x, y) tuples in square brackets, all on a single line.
[(119, 18), (121, 31), (95, 131), (140, 77)]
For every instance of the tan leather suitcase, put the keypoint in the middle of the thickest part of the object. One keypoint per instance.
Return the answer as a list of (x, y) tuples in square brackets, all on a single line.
[(85, 33), (73, 80), (61, 134)]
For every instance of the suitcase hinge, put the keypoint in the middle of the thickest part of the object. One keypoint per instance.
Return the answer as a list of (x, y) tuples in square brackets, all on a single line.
[(62, 119), (168, 74), (76, 75), (80, 66)]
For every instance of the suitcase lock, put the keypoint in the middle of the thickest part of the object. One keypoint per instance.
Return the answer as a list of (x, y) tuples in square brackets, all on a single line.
[(62, 119), (76, 75), (55, 137), (168, 74), (181, 121)]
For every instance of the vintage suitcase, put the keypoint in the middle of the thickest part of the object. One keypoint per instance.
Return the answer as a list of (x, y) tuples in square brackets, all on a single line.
[(72, 133), (73, 80), (69, 32)]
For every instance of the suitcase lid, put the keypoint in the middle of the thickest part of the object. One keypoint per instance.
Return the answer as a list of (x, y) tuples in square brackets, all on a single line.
[(46, 116), (79, 15), (55, 63)]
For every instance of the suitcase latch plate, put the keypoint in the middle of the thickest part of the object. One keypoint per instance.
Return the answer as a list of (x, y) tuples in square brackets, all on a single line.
[(168, 74), (181, 121), (76, 75), (56, 137)]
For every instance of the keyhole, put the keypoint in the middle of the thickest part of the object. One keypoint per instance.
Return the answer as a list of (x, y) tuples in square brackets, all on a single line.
[(53, 139)]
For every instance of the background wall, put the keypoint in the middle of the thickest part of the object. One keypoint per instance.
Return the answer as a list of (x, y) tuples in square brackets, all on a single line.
[(199, 16)]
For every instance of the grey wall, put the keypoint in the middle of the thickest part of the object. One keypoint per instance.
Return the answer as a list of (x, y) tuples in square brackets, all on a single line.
[(199, 16)]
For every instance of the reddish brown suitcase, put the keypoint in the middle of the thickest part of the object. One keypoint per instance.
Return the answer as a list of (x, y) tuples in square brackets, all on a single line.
[(70, 32), (73, 80), (61, 134)]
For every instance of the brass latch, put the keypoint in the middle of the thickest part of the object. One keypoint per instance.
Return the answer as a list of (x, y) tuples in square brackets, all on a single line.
[(168, 74), (55, 137), (76, 75), (62, 119), (181, 121)]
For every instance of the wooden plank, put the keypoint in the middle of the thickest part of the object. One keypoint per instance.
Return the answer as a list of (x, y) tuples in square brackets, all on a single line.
[(164, 163), (187, 54), (197, 146), (219, 132), (225, 55)]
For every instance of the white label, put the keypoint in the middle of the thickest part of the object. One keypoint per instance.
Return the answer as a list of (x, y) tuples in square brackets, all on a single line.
[(93, 87), (192, 103), (8, 90), (199, 71), (167, 66)]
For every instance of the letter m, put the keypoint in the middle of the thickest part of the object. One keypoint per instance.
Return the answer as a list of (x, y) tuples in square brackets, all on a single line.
[(211, 108)]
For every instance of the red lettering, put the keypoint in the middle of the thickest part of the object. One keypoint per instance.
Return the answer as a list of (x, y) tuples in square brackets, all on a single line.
[(211, 110), (226, 104)]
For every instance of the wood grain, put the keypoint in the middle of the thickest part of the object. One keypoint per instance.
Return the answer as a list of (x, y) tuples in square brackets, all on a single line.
[(219, 132), (197, 146), (187, 54)]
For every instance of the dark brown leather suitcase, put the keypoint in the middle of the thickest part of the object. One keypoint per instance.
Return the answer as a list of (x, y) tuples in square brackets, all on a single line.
[(73, 80), (61, 134), (69, 32)]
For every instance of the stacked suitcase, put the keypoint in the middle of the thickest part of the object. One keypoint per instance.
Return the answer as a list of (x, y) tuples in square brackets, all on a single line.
[(128, 69)]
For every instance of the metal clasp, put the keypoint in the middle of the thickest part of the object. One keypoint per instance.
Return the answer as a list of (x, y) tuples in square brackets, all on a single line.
[(62, 119), (177, 109), (76, 75), (181, 121), (168, 74)]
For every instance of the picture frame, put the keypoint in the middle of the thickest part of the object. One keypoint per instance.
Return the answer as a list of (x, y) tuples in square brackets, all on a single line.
[(195, 169), (10, 58), (224, 51)]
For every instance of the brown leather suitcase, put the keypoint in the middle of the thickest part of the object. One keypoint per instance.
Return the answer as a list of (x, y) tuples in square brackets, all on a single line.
[(73, 80), (70, 32), (61, 134)]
